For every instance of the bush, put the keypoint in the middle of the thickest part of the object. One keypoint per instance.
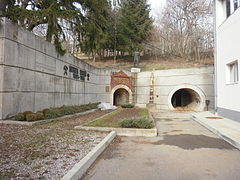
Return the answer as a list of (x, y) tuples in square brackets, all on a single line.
[(39, 116), (68, 110), (20, 117), (31, 117), (26, 113), (127, 105), (54, 112), (140, 122), (49, 114)]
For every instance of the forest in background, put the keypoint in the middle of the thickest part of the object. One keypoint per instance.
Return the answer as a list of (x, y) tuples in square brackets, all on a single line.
[(115, 29)]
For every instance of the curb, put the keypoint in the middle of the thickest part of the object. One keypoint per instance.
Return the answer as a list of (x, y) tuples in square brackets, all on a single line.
[(218, 133), (122, 131), (80, 168), (43, 121)]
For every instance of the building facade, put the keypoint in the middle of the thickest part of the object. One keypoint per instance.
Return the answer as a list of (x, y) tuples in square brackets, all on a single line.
[(227, 58)]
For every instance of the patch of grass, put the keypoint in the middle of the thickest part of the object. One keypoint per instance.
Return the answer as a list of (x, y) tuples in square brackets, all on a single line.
[(137, 122), (144, 112), (101, 122), (117, 122)]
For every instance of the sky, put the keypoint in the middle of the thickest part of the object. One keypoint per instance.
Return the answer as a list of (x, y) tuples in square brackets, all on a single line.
[(156, 5)]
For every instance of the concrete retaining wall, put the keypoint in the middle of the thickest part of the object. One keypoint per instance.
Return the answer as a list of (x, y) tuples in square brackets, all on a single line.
[(166, 82), (32, 75)]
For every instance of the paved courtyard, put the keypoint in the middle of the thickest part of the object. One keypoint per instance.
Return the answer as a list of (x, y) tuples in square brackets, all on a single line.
[(183, 150)]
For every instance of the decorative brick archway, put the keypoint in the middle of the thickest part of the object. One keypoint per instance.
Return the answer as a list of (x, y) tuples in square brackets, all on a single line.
[(119, 81)]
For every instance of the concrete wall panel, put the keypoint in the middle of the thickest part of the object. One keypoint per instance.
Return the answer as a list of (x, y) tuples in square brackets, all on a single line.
[(2, 43), (26, 57), (43, 100), (11, 52), (14, 102), (32, 75), (10, 78), (166, 81)]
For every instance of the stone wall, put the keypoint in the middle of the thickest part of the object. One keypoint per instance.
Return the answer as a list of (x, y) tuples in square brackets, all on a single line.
[(32, 75), (166, 82)]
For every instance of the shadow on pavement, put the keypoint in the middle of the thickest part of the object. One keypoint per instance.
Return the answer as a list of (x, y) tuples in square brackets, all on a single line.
[(191, 142)]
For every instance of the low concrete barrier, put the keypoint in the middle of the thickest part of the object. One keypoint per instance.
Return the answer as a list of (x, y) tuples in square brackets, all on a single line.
[(122, 131), (80, 168)]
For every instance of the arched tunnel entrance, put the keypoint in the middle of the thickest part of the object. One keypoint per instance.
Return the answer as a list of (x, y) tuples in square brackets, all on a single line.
[(120, 96), (186, 99)]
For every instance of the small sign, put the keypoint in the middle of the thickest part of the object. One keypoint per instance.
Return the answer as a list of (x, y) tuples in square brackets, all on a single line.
[(135, 70)]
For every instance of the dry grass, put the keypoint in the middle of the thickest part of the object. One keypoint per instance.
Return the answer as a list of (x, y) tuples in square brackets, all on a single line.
[(115, 118), (149, 64), (45, 151)]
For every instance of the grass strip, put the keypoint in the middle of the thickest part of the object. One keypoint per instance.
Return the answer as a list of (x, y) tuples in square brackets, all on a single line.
[(101, 122), (115, 123)]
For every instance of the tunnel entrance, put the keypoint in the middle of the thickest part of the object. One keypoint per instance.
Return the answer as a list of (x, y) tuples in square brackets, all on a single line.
[(120, 96), (185, 99)]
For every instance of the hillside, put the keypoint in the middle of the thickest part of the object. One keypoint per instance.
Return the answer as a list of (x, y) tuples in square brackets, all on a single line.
[(150, 63)]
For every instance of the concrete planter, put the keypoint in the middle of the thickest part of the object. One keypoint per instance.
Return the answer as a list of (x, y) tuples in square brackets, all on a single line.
[(124, 131)]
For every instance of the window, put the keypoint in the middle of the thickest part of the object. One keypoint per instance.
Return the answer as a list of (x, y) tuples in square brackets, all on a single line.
[(235, 3), (232, 69), (228, 8), (231, 6)]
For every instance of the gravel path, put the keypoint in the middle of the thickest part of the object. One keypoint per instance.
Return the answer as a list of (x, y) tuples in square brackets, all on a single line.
[(46, 151)]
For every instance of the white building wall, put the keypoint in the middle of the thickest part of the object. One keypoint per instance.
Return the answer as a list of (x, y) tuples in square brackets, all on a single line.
[(228, 50)]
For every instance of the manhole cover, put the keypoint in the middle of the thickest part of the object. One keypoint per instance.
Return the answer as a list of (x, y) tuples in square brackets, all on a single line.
[(214, 117)]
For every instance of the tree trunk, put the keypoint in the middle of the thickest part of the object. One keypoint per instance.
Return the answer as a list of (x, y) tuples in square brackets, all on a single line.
[(94, 57), (3, 4)]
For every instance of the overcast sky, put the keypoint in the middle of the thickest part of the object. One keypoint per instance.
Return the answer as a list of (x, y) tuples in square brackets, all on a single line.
[(156, 5)]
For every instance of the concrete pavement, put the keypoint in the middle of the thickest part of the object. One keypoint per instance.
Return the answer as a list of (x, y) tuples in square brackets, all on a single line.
[(227, 129), (184, 150)]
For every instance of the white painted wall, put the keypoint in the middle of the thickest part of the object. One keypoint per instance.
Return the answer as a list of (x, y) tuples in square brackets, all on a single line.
[(228, 50), (166, 81)]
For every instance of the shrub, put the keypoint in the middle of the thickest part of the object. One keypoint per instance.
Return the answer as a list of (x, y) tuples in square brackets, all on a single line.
[(31, 117), (20, 117), (45, 110), (140, 122), (127, 105), (39, 116), (58, 112), (54, 112), (26, 113), (49, 114), (68, 110)]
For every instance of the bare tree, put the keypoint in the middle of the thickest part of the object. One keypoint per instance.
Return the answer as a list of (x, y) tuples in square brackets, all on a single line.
[(185, 29)]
